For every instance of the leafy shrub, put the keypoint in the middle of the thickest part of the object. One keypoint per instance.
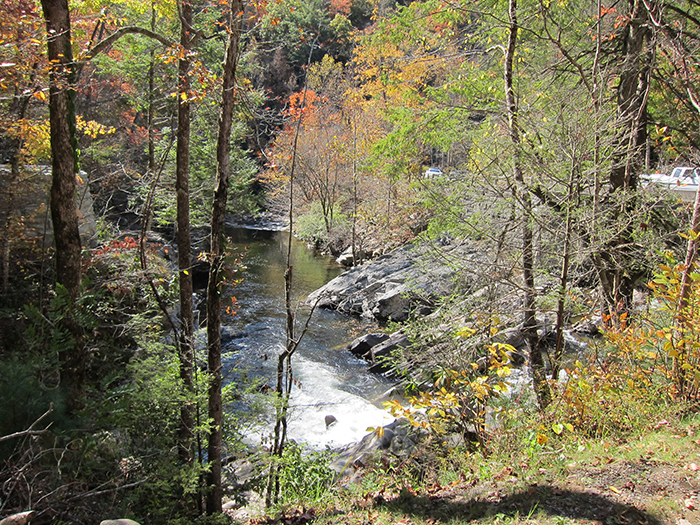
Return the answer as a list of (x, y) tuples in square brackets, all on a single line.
[(305, 478), (116, 269), (646, 365), (459, 399), (311, 227), (28, 388)]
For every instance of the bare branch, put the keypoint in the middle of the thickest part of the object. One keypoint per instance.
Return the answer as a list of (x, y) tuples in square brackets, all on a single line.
[(106, 43), (30, 431)]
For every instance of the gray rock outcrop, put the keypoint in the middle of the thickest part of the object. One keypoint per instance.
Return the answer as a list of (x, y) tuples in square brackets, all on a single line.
[(392, 286), (375, 346), (398, 438), (362, 345)]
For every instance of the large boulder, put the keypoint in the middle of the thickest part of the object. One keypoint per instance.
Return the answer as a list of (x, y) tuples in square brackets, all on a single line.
[(398, 438), (384, 349), (346, 259), (362, 345), (392, 286), (373, 347)]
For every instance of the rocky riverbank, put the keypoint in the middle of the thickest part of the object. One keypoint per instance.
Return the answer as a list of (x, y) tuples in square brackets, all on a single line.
[(406, 282)]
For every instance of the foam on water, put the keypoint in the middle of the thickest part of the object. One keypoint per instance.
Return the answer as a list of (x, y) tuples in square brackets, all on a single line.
[(319, 395)]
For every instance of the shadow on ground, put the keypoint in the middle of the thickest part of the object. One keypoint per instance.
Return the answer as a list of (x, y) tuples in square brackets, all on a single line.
[(547, 499)]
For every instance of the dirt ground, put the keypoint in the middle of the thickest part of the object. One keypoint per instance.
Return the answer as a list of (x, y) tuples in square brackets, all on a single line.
[(617, 492)]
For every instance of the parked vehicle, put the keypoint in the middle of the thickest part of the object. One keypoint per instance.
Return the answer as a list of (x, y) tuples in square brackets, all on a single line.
[(681, 177), (432, 173)]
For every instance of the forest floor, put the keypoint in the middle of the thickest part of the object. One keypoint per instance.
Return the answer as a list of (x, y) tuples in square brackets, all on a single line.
[(653, 479)]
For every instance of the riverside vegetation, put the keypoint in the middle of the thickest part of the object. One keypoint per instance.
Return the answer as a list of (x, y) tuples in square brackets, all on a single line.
[(542, 117)]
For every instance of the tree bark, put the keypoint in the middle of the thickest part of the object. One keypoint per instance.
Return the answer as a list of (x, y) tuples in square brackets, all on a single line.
[(522, 195), (223, 162), (183, 238), (614, 260), (151, 100), (18, 111), (62, 197), (63, 145), (632, 93)]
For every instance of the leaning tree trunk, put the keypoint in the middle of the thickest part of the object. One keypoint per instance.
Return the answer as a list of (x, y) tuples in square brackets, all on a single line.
[(285, 374), (522, 195), (223, 161)]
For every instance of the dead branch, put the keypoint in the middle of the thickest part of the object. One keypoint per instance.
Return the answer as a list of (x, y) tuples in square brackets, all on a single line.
[(30, 431)]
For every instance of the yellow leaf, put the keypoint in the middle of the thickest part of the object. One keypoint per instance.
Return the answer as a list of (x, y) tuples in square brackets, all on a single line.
[(185, 272), (379, 431), (541, 439)]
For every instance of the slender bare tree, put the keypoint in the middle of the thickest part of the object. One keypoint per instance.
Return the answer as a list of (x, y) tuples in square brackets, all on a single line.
[(223, 168)]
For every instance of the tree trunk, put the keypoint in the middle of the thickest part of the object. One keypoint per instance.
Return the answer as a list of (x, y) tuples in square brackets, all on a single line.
[(522, 195), (6, 218), (183, 238), (223, 161), (18, 111), (615, 262), (63, 145), (573, 198), (285, 374), (151, 100), (62, 199), (632, 93)]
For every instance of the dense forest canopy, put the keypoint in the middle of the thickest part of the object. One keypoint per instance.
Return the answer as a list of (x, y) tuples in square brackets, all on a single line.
[(128, 128)]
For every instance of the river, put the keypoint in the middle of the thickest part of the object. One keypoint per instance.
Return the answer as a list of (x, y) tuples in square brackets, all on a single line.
[(330, 380)]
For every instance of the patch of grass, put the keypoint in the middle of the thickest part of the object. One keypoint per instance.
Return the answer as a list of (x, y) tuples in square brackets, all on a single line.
[(571, 480)]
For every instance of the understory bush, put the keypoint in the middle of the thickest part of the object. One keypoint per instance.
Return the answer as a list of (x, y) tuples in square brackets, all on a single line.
[(117, 450), (458, 399), (647, 366), (305, 477), (28, 389), (312, 227)]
